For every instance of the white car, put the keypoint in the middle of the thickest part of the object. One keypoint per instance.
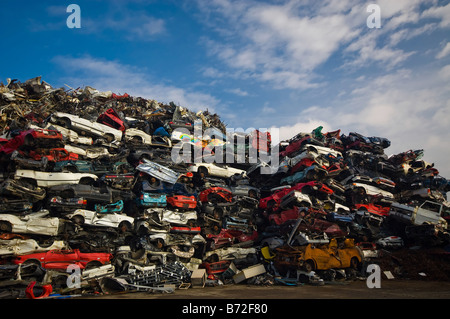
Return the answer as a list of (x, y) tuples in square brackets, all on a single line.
[(317, 153), (218, 170), (88, 152), (92, 218), (70, 135), (321, 150), (172, 239), (163, 217), (139, 136), (35, 223), (372, 190), (80, 124), (48, 179), (16, 246), (390, 242)]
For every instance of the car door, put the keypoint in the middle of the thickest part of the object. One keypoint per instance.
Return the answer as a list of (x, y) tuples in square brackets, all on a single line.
[(41, 226), (220, 170), (59, 259), (105, 219)]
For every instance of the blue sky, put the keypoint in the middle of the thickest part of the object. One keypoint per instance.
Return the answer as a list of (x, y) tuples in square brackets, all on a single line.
[(293, 65)]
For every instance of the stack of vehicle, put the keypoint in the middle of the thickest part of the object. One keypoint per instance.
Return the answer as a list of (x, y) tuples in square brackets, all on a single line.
[(89, 181)]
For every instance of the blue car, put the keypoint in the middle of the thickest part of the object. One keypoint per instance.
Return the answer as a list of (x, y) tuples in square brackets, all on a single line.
[(310, 173), (116, 207), (152, 200)]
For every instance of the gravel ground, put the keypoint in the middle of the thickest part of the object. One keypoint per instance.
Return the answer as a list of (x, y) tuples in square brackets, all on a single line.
[(390, 289)]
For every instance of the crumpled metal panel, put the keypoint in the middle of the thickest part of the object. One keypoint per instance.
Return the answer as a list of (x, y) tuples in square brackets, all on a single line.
[(158, 171)]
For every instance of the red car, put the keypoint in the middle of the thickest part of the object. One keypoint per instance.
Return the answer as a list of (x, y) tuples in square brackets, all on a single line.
[(181, 201), (304, 163), (29, 137), (285, 215), (228, 237), (53, 155), (374, 209), (61, 259), (313, 186), (275, 197), (216, 194), (112, 119), (43, 134)]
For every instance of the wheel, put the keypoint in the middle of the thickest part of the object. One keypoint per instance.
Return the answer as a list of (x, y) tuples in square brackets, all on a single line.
[(5, 227), (86, 181), (28, 182), (45, 243), (109, 138), (309, 265), (30, 262), (203, 170), (77, 219), (354, 263), (65, 122), (136, 140), (124, 227), (192, 223)]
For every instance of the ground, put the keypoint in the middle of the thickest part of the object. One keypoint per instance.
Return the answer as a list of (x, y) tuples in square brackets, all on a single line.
[(390, 289)]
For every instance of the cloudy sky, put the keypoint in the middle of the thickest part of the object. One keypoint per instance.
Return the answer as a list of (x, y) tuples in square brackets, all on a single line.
[(292, 65)]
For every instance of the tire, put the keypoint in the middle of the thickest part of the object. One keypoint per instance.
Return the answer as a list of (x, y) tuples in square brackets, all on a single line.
[(29, 182), (309, 265), (86, 181), (109, 138), (354, 263), (65, 122), (203, 170), (31, 262), (136, 140), (45, 243), (78, 220), (124, 227), (5, 227)]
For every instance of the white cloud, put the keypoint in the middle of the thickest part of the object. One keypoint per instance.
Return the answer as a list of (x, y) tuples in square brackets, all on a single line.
[(268, 110), (284, 43), (444, 73), (444, 52), (113, 76), (125, 23), (276, 43), (238, 92), (397, 106), (441, 13)]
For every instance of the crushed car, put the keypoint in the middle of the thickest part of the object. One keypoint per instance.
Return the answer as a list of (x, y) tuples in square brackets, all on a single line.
[(91, 178)]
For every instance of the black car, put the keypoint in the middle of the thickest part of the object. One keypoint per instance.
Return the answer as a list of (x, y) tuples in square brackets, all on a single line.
[(101, 194)]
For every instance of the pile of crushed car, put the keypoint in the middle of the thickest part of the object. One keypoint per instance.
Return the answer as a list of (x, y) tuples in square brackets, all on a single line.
[(92, 201)]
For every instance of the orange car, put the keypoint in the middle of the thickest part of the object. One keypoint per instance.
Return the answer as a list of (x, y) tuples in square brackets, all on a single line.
[(319, 257)]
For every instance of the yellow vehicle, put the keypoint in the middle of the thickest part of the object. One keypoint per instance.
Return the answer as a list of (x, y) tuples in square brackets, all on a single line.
[(319, 257)]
